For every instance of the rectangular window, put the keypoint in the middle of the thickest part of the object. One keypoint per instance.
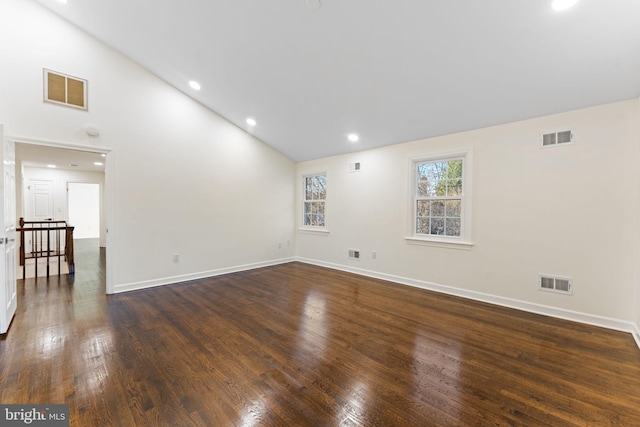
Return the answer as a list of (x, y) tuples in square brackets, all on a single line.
[(315, 193), (440, 202), (439, 197)]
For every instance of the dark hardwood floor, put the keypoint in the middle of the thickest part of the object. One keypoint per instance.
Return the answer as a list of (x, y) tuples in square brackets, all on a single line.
[(299, 345)]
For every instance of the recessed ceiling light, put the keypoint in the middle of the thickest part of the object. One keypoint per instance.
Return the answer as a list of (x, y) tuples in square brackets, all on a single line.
[(98, 163), (563, 4), (251, 121), (353, 137), (103, 155), (52, 166), (63, 1), (194, 85)]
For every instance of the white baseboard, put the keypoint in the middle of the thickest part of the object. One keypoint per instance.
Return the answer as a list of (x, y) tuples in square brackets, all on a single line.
[(590, 319), (127, 287)]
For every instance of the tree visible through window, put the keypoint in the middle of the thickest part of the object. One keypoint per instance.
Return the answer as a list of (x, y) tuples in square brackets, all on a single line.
[(315, 192), (438, 199)]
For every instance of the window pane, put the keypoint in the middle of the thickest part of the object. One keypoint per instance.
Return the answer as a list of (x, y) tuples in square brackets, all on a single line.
[(314, 214), (315, 192), (437, 226), (453, 208), (315, 188), (453, 227), (430, 179), (437, 208), (309, 212), (308, 186), (318, 219), (321, 182), (454, 169), (439, 179), (422, 226), (422, 187), (455, 187), (422, 208)]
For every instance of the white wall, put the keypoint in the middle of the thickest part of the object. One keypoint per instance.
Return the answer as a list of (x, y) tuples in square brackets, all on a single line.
[(83, 202), (179, 178), (569, 211)]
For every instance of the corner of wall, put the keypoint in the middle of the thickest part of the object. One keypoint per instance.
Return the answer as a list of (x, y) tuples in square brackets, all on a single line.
[(636, 334)]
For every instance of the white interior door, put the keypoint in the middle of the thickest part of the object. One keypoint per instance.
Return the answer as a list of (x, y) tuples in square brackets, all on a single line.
[(38, 207), (8, 288), (39, 200)]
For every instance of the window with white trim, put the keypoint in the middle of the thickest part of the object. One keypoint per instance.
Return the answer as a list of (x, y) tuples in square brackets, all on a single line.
[(315, 193), (441, 198)]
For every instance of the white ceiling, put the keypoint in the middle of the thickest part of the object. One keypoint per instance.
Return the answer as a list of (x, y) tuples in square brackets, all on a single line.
[(42, 156), (391, 71)]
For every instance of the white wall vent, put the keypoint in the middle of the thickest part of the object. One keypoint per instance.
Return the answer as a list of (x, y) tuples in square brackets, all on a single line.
[(354, 167), (562, 285), (354, 254), (557, 138)]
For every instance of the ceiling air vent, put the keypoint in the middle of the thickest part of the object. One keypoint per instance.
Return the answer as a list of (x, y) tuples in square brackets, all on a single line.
[(562, 285), (557, 138)]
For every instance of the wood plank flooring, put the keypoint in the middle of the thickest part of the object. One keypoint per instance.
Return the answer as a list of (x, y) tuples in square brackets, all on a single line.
[(300, 345)]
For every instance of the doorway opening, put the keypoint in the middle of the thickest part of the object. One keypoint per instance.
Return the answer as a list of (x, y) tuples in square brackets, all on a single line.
[(75, 193), (83, 201)]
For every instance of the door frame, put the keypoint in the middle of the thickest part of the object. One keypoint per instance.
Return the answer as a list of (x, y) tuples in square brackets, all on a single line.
[(108, 190)]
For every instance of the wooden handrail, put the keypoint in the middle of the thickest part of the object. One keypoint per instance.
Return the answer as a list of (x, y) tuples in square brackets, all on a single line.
[(47, 221), (38, 230)]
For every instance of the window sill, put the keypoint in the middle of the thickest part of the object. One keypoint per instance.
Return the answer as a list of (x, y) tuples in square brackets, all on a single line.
[(316, 231), (440, 243)]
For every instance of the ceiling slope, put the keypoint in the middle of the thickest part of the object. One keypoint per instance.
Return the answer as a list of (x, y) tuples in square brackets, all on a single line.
[(389, 71)]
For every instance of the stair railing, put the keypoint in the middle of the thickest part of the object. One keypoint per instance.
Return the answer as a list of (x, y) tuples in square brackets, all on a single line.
[(49, 239)]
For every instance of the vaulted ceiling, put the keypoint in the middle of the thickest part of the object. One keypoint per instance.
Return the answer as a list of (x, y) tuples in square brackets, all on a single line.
[(310, 72)]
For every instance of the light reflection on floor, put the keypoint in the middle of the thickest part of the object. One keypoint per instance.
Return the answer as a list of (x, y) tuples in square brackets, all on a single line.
[(96, 351), (313, 329)]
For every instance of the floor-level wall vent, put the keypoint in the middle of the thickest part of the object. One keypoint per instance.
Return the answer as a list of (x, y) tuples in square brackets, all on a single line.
[(562, 285)]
